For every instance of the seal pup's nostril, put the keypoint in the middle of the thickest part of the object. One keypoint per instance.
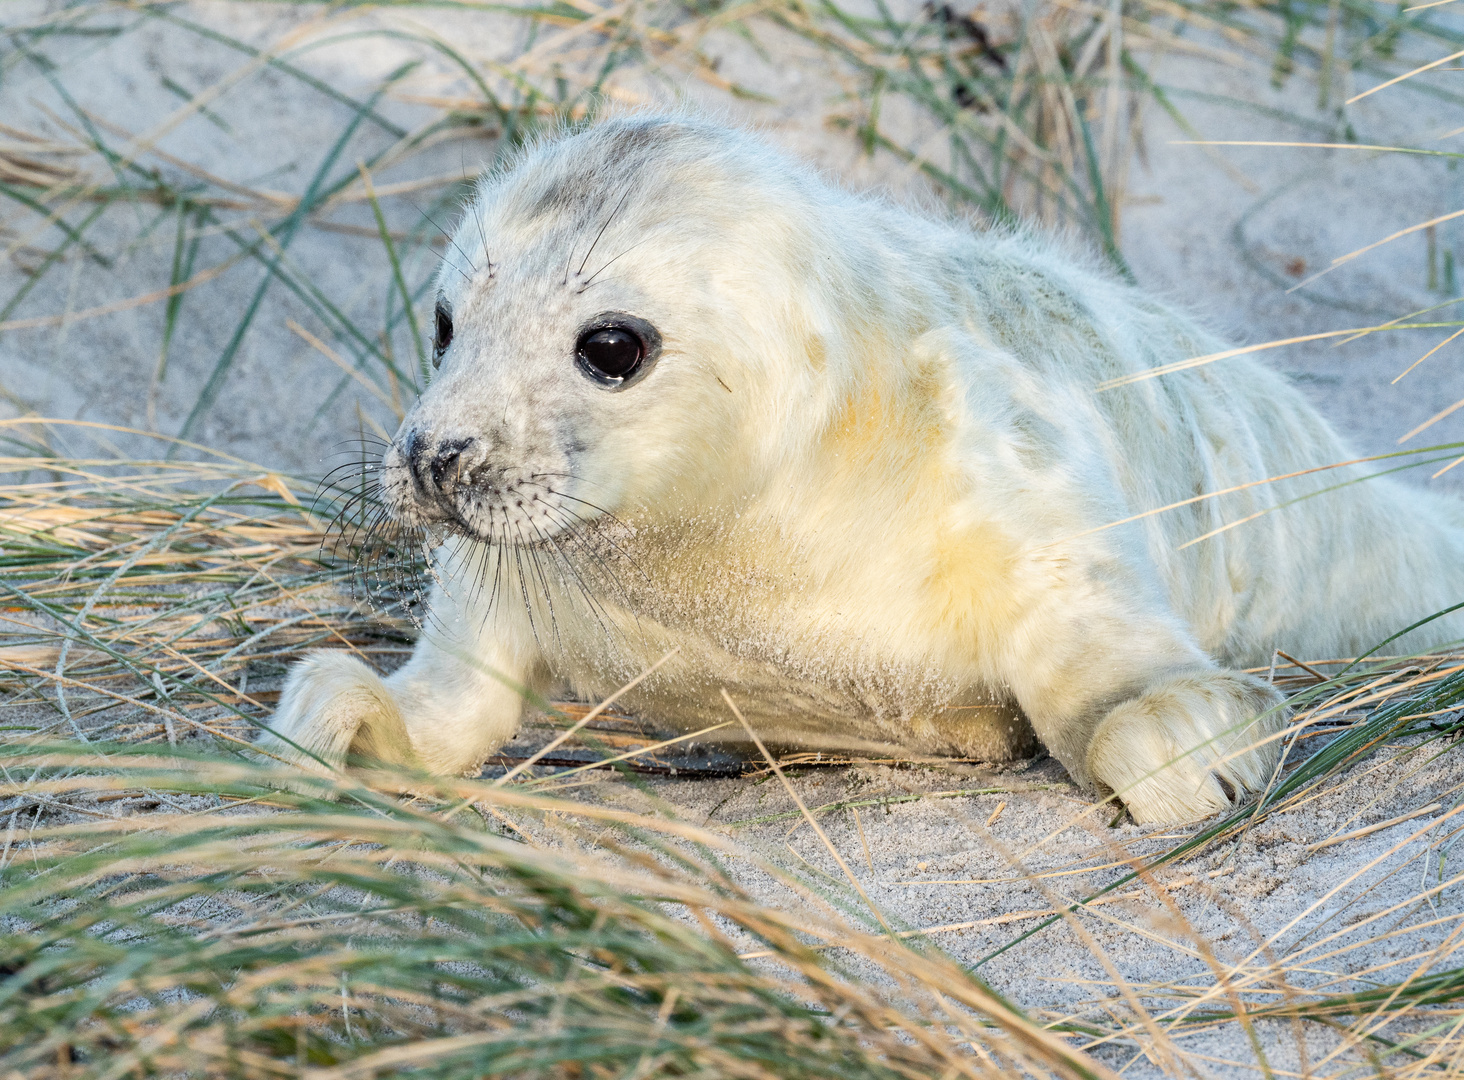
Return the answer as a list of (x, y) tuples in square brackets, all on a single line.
[(414, 446), (435, 472), (445, 465)]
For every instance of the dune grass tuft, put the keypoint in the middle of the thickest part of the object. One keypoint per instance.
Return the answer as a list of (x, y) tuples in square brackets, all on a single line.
[(336, 930)]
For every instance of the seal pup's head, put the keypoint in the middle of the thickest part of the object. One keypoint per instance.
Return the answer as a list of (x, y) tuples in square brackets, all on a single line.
[(642, 319)]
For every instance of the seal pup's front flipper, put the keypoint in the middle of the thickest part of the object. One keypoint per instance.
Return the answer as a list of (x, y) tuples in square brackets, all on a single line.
[(445, 711)]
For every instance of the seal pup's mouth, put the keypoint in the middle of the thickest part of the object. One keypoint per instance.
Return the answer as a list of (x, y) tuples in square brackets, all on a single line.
[(451, 487), (512, 532)]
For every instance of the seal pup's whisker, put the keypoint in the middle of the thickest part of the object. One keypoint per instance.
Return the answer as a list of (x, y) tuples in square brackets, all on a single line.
[(476, 212), (518, 562), (595, 609), (488, 606), (480, 548), (472, 265), (565, 476), (379, 568), (575, 530), (497, 577), (347, 522), (356, 459), (583, 502), (357, 464), (547, 592), (364, 456), (608, 538), (361, 486), (591, 280), (625, 195), (575, 526), (364, 438)]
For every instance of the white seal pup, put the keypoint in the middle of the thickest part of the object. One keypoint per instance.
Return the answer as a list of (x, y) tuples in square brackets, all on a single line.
[(855, 465)]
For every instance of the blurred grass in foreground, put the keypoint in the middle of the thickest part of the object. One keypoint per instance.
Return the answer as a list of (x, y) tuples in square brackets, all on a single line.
[(479, 932)]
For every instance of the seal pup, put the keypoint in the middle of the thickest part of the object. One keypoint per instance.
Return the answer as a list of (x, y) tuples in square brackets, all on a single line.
[(855, 466)]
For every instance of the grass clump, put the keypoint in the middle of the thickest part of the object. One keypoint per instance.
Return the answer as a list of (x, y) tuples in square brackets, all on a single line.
[(143, 591), (336, 930)]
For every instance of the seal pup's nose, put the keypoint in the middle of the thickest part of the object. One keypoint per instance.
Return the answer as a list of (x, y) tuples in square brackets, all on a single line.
[(436, 468)]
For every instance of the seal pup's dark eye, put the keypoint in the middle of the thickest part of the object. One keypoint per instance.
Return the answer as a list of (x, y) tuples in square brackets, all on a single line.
[(614, 352), (443, 337), (616, 349)]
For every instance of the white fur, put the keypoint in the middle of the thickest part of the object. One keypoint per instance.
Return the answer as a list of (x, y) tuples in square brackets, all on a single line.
[(862, 489)]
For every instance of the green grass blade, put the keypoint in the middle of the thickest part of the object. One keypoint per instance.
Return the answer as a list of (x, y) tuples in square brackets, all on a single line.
[(284, 234)]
